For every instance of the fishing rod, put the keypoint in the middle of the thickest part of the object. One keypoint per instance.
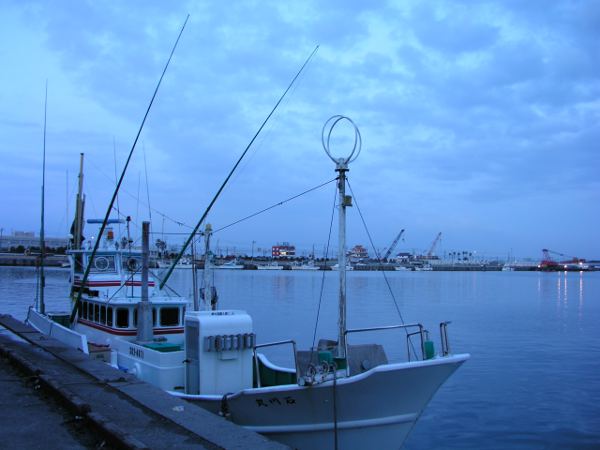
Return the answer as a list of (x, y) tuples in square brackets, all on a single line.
[(112, 201), (193, 233)]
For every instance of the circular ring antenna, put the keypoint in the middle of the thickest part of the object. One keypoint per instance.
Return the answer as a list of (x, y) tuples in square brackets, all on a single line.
[(326, 139)]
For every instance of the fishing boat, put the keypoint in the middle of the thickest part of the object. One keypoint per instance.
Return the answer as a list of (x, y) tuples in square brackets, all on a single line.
[(109, 299), (270, 266), (183, 263), (233, 264), (336, 395), (309, 265), (348, 267)]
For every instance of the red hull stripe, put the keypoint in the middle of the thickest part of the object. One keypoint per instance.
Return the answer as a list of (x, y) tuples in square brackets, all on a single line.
[(118, 332), (111, 283)]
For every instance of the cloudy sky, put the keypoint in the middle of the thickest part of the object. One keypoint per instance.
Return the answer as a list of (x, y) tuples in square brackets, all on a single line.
[(479, 119)]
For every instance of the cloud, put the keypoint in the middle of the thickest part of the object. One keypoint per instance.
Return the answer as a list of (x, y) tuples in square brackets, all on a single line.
[(453, 30), (462, 107)]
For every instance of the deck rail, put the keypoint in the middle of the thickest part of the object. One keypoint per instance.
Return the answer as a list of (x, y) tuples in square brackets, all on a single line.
[(421, 331), (273, 344)]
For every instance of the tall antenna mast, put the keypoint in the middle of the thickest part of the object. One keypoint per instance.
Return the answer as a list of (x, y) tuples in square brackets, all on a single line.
[(341, 167)]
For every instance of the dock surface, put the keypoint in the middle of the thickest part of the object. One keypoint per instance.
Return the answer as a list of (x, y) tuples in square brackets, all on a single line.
[(127, 412)]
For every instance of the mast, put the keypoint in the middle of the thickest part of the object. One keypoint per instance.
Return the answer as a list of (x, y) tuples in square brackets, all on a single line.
[(79, 208), (341, 167), (42, 305), (195, 278), (208, 287), (144, 327)]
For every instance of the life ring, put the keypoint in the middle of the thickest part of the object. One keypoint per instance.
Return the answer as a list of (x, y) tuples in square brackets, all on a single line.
[(101, 263)]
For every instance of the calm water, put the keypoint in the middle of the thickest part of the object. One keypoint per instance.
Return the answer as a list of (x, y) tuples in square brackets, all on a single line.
[(533, 381)]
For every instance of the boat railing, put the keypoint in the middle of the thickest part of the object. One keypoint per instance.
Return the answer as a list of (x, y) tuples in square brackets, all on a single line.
[(420, 331), (273, 344), (444, 337)]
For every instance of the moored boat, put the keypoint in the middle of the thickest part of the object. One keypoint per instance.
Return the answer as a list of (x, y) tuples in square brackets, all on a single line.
[(336, 395), (233, 264), (270, 266), (309, 265)]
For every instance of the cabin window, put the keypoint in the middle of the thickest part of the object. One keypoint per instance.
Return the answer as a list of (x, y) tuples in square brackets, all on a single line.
[(153, 317), (103, 263), (132, 263), (90, 311), (122, 317), (96, 312), (169, 317), (103, 314), (109, 316), (83, 310), (135, 317)]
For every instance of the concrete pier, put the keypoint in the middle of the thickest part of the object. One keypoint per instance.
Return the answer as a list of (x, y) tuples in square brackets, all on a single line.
[(126, 412)]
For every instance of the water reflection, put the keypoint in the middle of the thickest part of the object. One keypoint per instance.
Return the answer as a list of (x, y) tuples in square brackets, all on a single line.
[(566, 291)]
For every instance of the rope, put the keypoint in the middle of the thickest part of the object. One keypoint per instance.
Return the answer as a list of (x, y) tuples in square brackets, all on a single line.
[(376, 253), (275, 205), (312, 347)]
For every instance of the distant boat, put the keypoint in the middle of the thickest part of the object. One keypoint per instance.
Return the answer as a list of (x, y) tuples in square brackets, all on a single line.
[(183, 263), (310, 265), (402, 268), (233, 264), (337, 267), (270, 266)]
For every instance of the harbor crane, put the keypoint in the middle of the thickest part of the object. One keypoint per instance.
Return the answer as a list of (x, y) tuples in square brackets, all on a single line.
[(434, 244), (549, 262), (393, 246)]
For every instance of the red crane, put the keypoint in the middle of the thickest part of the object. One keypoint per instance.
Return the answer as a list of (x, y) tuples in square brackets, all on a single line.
[(549, 263)]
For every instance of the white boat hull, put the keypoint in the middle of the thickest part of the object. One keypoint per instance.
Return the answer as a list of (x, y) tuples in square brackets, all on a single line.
[(377, 408)]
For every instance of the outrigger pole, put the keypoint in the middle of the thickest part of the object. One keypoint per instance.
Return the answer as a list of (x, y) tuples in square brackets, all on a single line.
[(193, 233), (76, 306)]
